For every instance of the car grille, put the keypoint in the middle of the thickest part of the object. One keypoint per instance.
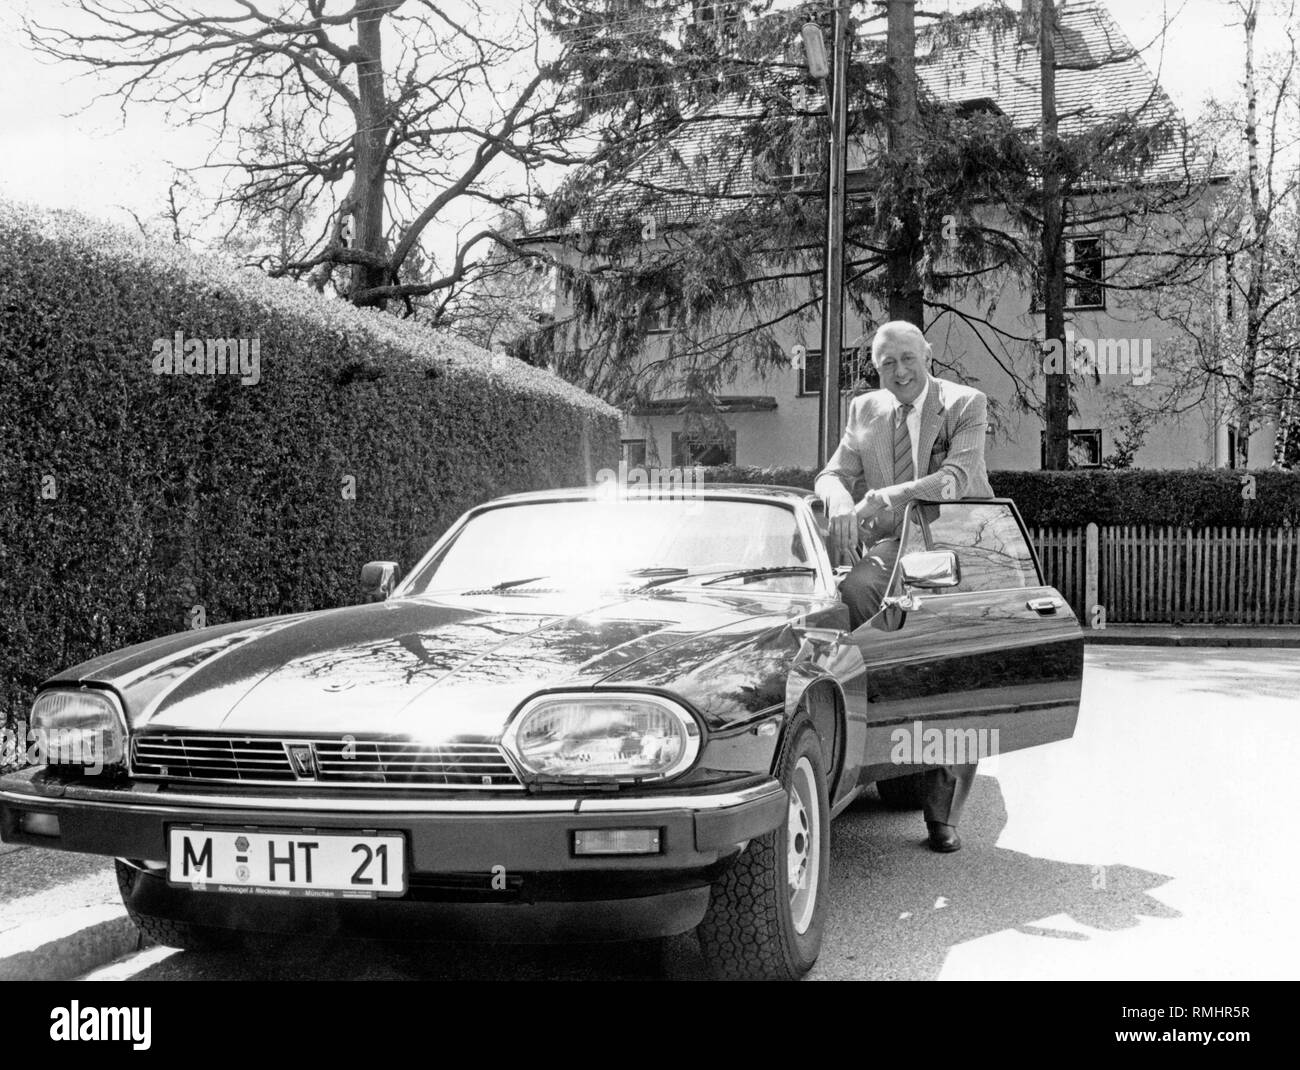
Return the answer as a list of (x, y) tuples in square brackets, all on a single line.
[(342, 760)]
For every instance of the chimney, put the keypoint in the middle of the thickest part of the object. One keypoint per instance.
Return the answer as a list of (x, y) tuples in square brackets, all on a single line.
[(1029, 14)]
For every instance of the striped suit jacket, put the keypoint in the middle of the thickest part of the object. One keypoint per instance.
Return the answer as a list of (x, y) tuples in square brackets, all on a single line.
[(950, 451)]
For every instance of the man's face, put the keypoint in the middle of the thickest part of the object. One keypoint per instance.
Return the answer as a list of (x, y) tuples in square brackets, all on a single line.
[(904, 365)]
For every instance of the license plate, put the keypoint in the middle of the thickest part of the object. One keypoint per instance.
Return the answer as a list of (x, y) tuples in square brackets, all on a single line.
[(290, 862)]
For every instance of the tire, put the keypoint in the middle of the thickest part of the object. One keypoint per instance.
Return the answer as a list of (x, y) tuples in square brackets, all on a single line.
[(181, 934), (755, 928), (903, 792)]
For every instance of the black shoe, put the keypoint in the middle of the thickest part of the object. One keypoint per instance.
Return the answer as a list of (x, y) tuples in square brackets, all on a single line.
[(943, 838)]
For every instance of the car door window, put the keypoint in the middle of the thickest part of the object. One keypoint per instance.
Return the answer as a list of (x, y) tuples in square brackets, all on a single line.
[(987, 540)]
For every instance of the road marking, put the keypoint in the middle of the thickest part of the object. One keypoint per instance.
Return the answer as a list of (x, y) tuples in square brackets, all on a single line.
[(126, 968)]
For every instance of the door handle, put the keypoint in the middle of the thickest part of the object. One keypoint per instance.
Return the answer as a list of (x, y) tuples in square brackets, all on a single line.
[(1043, 606)]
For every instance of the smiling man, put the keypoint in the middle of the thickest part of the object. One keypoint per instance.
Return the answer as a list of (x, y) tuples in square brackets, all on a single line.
[(916, 437)]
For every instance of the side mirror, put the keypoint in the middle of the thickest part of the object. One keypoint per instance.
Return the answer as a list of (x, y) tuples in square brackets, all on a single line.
[(378, 578), (931, 569)]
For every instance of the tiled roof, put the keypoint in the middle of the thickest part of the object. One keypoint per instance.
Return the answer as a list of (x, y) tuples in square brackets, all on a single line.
[(696, 169), (1004, 69)]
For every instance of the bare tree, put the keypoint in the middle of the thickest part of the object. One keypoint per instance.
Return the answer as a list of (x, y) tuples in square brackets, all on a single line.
[(508, 304), (406, 112), (1240, 351), (1267, 191)]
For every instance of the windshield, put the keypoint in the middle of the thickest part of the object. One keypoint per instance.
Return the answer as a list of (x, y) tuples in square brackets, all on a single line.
[(584, 542)]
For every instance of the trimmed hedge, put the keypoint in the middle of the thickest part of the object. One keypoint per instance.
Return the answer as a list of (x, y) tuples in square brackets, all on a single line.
[(1190, 498), (178, 491)]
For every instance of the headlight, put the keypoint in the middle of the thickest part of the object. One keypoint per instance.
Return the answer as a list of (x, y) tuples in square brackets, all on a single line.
[(610, 737), (80, 727)]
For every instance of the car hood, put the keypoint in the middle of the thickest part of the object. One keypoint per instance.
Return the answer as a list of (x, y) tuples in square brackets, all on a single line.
[(442, 665)]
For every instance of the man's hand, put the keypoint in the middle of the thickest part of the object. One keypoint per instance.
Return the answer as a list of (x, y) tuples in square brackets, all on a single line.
[(847, 519), (844, 533), (842, 526), (872, 504), (848, 526)]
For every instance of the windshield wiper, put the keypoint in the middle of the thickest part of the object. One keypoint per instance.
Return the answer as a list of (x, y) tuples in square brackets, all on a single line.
[(505, 584), (659, 574), (748, 574)]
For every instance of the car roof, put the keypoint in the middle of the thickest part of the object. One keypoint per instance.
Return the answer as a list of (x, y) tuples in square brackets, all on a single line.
[(732, 491)]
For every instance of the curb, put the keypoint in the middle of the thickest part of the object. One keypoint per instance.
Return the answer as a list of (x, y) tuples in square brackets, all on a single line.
[(1109, 637), (68, 946)]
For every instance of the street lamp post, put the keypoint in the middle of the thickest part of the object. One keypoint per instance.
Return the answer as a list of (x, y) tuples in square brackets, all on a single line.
[(828, 422)]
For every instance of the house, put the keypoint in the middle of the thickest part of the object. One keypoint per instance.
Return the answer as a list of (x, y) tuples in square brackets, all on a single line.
[(1125, 353)]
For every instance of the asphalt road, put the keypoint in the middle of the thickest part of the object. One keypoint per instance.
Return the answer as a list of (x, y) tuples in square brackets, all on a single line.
[(1157, 844)]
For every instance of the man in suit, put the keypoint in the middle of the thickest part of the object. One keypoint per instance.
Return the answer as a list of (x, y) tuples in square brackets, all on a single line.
[(916, 437)]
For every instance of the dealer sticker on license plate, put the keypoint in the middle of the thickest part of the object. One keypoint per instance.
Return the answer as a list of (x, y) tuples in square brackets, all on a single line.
[(291, 862)]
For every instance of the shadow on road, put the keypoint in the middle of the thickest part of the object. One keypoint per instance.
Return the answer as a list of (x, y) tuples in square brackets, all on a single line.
[(896, 911)]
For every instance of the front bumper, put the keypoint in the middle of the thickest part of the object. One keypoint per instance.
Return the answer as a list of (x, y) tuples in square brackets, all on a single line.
[(454, 846)]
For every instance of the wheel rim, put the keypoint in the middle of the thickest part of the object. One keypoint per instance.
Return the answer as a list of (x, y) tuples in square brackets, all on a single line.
[(803, 846)]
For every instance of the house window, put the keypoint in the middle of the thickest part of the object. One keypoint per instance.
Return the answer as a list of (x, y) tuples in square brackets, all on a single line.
[(791, 167), (800, 164), (1232, 445), (1085, 262), (1084, 274), (855, 368), (691, 449), (660, 320), (723, 22), (863, 150), (634, 451), (792, 157), (1084, 449)]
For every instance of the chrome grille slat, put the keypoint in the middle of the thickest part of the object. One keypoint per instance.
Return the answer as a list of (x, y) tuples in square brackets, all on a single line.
[(418, 762), (190, 748), (350, 761)]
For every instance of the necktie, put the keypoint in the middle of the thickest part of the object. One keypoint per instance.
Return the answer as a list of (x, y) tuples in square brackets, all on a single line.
[(903, 469)]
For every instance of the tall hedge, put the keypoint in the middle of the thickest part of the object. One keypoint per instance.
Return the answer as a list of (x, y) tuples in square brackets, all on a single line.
[(1184, 498), (129, 498)]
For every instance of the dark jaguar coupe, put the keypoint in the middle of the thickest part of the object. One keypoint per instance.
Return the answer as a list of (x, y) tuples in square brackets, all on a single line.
[(578, 717)]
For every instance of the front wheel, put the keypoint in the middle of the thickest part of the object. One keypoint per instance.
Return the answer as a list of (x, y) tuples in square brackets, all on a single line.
[(767, 914), (184, 935)]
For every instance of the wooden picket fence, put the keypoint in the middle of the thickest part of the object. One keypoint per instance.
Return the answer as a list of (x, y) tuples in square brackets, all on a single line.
[(1154, 574), (1062, 554)]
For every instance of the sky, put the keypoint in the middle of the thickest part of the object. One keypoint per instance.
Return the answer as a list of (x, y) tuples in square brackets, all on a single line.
[(60, 149)]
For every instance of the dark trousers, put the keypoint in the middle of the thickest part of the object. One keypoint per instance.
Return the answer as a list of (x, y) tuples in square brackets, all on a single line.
[(864, 587), (946, 788)]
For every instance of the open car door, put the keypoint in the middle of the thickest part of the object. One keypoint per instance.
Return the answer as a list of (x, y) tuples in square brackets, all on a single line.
[(968, 638)]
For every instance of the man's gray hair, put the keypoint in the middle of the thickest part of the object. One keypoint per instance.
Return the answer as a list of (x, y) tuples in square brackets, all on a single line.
[(896, 328)]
